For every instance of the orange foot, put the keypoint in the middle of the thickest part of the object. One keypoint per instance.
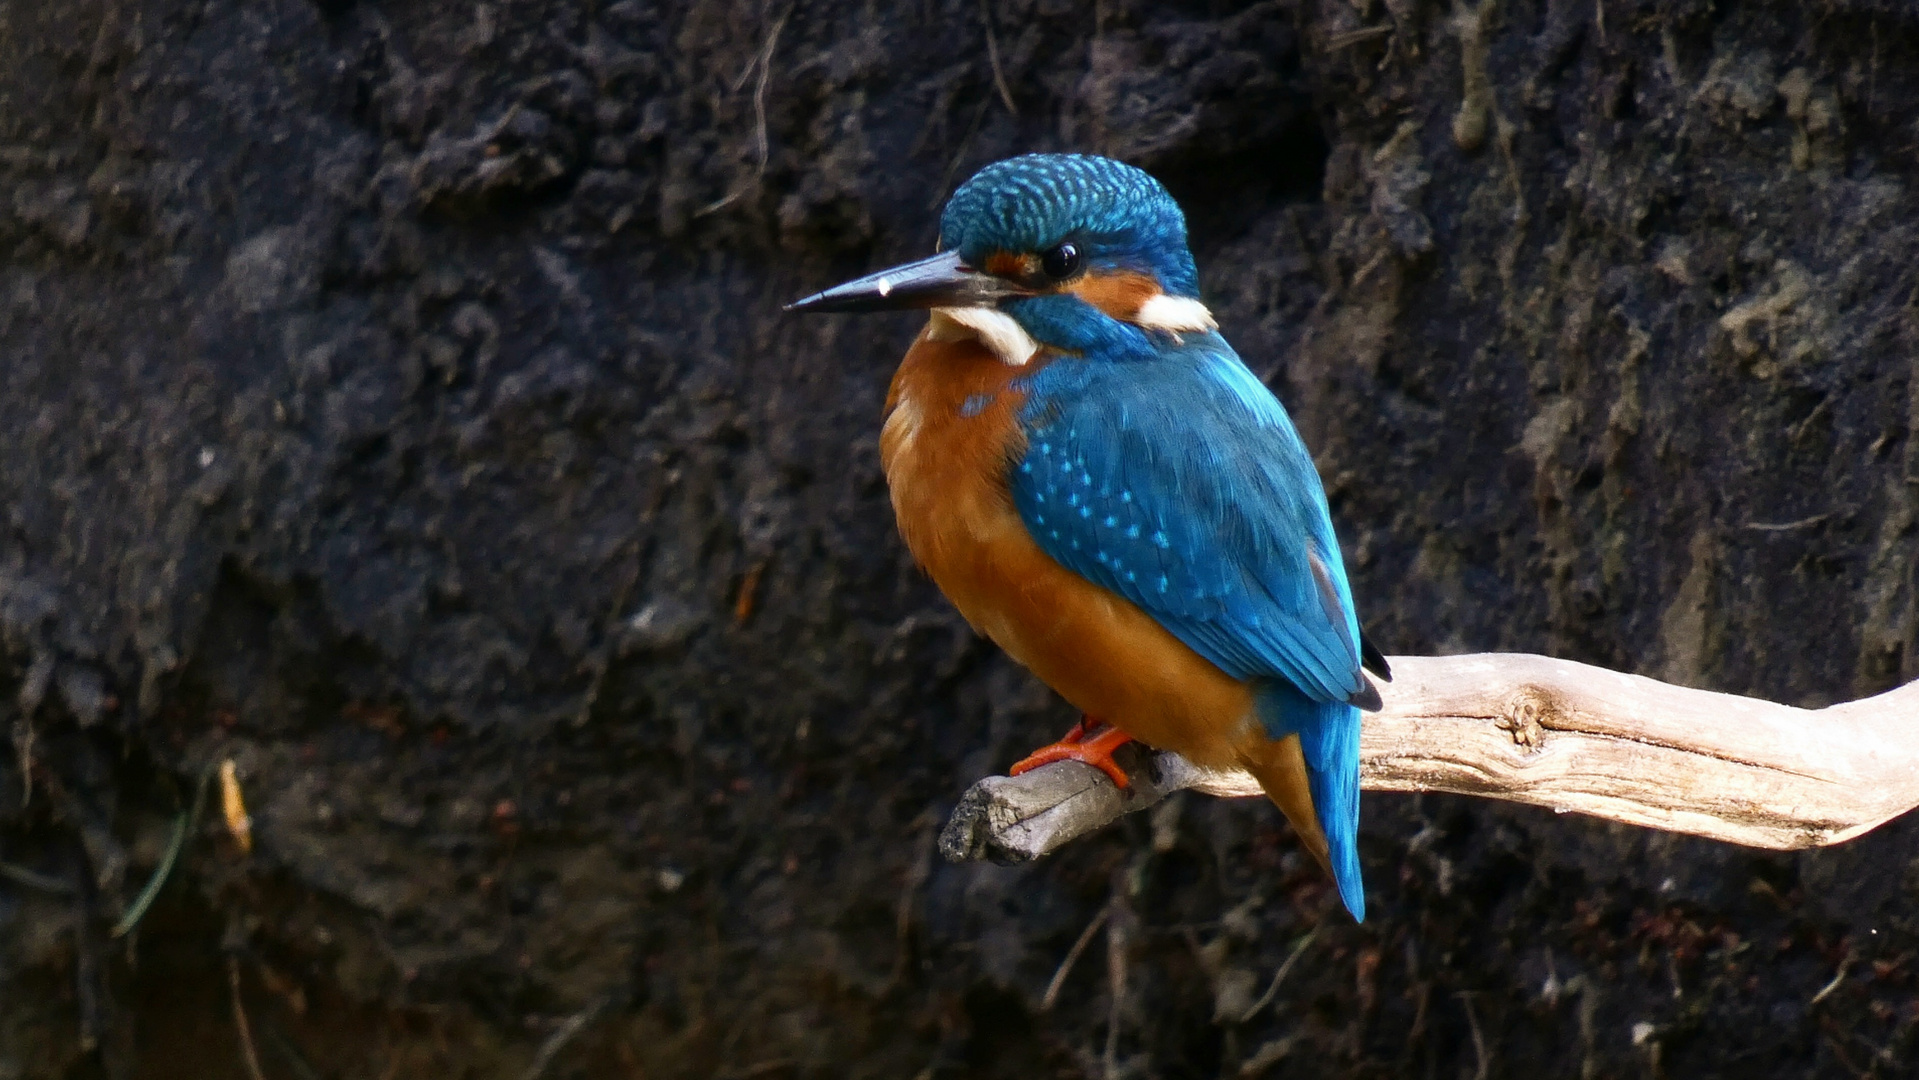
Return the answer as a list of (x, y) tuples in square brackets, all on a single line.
[(1091, 741)]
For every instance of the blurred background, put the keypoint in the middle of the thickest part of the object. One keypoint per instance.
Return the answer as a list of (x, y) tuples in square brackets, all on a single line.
[(395, 401)]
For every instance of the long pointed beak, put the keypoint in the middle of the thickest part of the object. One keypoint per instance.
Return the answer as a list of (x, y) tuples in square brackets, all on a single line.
[(941, 281)]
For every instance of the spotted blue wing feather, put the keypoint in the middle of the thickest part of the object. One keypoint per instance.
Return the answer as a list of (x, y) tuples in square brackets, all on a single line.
[(1178, 481)]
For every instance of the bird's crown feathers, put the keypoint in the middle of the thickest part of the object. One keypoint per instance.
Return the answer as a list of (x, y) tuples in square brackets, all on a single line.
[(1122, 217)]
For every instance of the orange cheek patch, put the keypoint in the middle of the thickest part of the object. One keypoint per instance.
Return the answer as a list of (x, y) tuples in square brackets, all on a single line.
[(1119, 294), (1008, 265)]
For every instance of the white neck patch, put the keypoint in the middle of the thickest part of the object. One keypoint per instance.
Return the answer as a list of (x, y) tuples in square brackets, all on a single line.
[(993, 328), (1175, 314)]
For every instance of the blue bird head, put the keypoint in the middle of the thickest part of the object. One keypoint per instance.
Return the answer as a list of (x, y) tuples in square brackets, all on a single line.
[(1116, 216), (1083, 253)]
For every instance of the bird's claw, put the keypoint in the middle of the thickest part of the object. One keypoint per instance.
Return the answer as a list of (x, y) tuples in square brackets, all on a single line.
[(1091, 743)]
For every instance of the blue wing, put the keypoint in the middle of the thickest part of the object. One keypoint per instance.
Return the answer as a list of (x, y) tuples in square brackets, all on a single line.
[(1179, 482)]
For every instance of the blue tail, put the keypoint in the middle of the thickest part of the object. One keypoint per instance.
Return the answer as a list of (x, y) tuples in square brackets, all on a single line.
[(1329, 736)]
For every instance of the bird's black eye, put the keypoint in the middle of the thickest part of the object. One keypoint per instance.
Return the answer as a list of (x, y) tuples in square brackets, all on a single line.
[(1061, 262)]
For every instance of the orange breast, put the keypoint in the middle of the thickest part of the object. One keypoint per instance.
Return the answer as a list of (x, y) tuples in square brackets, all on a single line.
[(951, 434)]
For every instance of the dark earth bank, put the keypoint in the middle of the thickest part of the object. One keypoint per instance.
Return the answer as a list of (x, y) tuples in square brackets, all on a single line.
[(397, 404)]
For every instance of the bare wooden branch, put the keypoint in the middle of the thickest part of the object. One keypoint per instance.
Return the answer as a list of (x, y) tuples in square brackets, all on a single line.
[(1552, 733)]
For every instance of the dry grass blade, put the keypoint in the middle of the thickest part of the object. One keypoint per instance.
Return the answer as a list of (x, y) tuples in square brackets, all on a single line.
[(249, 1056), (992, 57), (1286, 967), (1479, 1037), (183, 825), (1072, 957)]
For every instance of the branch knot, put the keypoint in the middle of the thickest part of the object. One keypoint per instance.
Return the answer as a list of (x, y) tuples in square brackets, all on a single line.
[(1527, 713)]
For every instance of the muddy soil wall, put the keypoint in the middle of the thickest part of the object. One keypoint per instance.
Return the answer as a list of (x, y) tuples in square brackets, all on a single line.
[(394, 400)]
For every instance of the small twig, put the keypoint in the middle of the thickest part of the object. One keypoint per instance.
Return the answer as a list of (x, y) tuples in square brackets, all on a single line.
[(1272, 988), (965, 144), (763, 60), (1366, 271), (1788, 526), (557, 1041), (1117, 940), (138, 908), (1839, 1051), (1072, 957), (183, 826), (290, 1052), (1423, 996), (1479, 1039), (1845, 966), (992, 56), (759, 89), (23, 752), (33, 879), (1354, 37), (248, 1055), (916, 878), (86, 955), (600, 660), (1588, 1033)]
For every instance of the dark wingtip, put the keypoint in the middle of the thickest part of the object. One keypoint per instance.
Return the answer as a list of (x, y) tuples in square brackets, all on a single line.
[(1372, 659), (1367, 696)]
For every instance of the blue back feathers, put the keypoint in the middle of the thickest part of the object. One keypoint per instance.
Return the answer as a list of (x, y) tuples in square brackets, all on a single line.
[(1161, 468), (1157, 481), (1181, 484)]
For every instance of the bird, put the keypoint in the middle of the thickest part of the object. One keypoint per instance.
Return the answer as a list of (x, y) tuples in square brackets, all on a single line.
[(1102, 487)]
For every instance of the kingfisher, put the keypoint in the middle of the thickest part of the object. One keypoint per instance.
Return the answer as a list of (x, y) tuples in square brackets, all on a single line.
[(1101, 486)]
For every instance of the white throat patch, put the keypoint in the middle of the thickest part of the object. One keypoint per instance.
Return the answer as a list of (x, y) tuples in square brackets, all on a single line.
[(1175, 314), (995, 329)]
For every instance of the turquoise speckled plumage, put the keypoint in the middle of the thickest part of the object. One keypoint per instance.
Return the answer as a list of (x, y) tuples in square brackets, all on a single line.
[(1101, 485)]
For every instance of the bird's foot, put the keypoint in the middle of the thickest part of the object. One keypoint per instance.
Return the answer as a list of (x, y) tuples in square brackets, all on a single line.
[(1091, 741)]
